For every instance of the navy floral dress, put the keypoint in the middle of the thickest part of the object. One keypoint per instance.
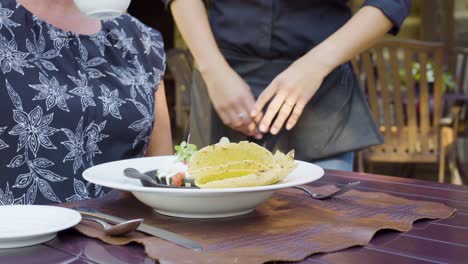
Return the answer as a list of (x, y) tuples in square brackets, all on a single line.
[(71, 101)]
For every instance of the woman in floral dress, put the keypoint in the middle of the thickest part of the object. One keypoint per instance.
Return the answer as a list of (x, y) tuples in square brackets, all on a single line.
[(75, 92)]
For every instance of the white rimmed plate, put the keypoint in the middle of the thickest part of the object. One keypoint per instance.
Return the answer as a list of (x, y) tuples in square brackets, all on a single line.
[(193, 203), (26, 225)]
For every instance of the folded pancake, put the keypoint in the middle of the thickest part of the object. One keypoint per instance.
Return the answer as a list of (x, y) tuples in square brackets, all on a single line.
[(247, 165), (226, 152), (263, 171)]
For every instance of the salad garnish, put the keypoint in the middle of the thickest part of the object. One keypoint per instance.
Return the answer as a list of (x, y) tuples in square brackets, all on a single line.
[(184, 151)]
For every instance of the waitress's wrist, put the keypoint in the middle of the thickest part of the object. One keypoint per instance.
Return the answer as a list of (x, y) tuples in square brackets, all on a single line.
[(324, 58), (212, 65)]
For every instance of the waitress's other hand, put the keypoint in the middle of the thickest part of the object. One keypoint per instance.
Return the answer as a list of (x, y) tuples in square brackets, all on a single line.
[(232, 99), (289, 94)]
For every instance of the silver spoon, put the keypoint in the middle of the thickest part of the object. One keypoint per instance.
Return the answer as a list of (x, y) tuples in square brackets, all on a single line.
[(317, 196), (145, 178), (119, 229)]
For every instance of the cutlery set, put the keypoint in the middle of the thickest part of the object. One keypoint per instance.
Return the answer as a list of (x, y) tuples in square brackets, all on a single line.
[(142, 227)]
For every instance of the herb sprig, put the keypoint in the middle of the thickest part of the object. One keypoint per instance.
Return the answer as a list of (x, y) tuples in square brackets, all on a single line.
[(184, 151)]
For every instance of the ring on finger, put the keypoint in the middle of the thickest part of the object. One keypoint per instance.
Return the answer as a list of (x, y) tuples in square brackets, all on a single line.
[(241, 115)]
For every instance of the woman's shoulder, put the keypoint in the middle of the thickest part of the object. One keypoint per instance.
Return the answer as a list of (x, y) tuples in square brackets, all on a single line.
[(9, 4), (143, 41), (11, 12), (134, 27), (127, 27)]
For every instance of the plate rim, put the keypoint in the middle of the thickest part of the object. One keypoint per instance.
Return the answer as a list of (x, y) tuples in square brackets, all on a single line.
[(133, 188), (51, 230)]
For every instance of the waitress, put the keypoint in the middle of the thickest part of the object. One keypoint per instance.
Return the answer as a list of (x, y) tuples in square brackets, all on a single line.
[(278, 71)]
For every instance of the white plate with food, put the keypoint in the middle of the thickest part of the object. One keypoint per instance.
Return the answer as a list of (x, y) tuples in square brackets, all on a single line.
[(227, 179), (27, 225)]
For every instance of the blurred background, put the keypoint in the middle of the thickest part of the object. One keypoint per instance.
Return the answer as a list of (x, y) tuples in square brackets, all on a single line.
[(422, 111)]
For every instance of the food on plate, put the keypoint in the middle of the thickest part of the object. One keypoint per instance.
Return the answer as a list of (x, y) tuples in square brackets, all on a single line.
[(227, 165), (184, 151), (226, 152), (178, 179), (174, 174), (246, 165), (281, 166), (243, 164)]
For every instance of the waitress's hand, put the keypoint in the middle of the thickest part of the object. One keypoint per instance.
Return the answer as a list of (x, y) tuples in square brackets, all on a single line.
[(232, 99), (289, 93)]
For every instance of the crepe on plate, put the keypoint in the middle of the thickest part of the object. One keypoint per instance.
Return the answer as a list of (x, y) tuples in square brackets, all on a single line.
[(234, 165)]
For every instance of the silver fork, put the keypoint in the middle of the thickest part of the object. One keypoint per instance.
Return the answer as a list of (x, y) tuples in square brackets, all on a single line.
[(317, 196)]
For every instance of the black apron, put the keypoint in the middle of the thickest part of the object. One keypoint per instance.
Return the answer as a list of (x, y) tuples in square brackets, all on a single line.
[(336, 120)]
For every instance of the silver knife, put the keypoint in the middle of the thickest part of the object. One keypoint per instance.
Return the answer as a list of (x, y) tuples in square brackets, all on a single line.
[(147, 229)]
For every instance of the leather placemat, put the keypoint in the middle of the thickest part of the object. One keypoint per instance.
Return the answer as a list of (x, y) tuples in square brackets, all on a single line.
[(288, 227)]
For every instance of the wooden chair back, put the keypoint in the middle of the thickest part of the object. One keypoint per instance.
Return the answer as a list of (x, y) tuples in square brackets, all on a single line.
[(461, 71), (461, 91), (180, 63), (461, 85), (408, 111)]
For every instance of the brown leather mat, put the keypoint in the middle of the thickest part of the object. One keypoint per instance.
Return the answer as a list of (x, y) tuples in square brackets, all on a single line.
[(288, 227)]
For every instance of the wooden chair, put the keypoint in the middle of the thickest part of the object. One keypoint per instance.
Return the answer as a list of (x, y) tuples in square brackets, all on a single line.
[(461, 81), (408, 112), (180, 63), (458, 100)]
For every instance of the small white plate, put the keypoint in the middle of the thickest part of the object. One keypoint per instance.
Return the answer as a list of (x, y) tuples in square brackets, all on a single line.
[(27, 225), (193, 203)]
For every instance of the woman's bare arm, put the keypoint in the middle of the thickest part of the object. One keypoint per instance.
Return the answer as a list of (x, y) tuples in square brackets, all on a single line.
[(161, 137)]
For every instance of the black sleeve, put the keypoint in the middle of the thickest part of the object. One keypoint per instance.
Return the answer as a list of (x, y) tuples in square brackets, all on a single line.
[(167, 2), (395, 10)]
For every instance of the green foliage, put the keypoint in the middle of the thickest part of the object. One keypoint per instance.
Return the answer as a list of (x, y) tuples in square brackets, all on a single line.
[(448, 83)]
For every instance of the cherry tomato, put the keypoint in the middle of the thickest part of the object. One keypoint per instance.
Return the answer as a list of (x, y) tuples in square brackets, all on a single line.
[(178, 179)]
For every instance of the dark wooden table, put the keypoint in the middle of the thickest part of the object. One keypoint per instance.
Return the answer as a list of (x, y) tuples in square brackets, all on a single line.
[(440, 241)]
